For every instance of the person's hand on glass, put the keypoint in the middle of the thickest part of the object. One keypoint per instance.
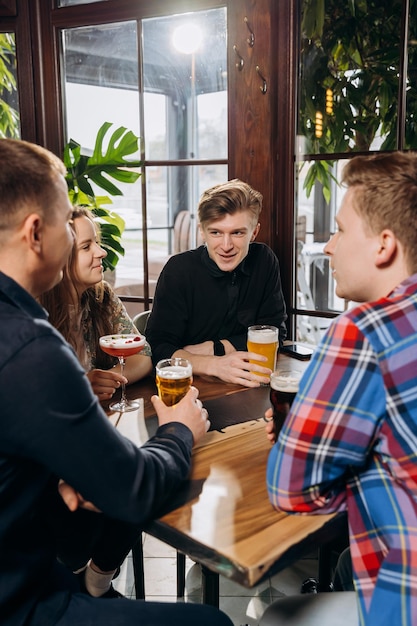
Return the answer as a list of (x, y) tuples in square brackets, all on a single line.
[(105, 382), (235, 368), (188, 411)]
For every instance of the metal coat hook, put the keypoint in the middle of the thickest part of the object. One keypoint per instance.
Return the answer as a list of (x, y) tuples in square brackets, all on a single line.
[(241, 62), (251, 38), (264, 86)]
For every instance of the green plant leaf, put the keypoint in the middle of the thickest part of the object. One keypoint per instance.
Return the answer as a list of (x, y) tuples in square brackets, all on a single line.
[(111, 162)]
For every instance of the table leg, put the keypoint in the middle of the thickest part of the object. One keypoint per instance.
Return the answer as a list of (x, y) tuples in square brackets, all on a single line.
[(180, 574), (210, 587), (138, 572)]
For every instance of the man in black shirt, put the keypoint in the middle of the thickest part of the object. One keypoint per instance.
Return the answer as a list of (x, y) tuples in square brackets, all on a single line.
[(206, 298)]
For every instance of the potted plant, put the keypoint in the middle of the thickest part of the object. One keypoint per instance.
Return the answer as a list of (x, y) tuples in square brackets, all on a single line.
[(103, 164)]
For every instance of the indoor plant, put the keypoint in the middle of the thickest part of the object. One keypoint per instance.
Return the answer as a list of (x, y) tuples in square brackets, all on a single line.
[(98, 168)]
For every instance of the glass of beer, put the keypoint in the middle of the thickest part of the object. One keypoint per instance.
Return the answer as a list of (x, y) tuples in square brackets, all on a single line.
[(284, 388), (263, 339), (173, 379)]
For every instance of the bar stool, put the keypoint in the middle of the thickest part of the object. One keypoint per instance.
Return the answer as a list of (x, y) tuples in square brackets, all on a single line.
[(338, 608)]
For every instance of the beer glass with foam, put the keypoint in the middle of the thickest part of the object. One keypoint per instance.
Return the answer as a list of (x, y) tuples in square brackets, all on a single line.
[(263, 339), (173, 379), (284, 388)]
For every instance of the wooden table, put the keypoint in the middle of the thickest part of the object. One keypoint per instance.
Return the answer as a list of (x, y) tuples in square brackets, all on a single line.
[(222, 517)]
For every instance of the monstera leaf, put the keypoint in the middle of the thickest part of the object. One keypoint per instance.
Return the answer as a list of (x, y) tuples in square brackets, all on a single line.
[(99, 168)]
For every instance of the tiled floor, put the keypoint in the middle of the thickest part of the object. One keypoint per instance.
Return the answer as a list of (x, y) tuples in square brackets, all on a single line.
[(243, 606)]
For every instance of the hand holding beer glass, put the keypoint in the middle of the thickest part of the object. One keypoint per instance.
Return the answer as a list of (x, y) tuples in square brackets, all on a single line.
[(263, 339), (173, 379), (284, 388)]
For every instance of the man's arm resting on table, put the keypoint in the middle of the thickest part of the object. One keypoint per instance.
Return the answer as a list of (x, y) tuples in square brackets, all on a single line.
[(327, 436), (233, 367)]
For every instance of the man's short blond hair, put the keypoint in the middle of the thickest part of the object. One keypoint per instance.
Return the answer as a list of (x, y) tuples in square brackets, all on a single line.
[(227, 199), (385, 196)]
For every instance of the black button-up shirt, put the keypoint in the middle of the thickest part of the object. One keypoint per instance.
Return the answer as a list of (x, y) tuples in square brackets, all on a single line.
[(195, 301)]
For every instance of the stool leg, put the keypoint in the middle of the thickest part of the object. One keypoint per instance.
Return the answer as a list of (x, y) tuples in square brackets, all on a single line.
[(138, 569), (180, 574)]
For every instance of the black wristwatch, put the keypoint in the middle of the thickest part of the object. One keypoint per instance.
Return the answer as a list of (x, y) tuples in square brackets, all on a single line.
[(219, 348)]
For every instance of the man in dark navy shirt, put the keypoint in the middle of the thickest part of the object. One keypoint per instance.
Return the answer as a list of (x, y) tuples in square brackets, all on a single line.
[(52, 426), (206, 298)]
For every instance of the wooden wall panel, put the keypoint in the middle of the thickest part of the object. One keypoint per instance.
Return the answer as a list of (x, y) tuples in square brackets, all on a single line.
[(8, 8), (252, 102)]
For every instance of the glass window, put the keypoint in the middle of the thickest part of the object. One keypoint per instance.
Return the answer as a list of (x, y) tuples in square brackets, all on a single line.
[(349, 75), (353, 97), (9, 98), (178, 108), (184, 58), (315, 288)]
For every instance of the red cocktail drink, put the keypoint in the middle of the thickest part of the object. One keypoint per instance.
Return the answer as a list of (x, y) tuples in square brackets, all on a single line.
[(122, 346)]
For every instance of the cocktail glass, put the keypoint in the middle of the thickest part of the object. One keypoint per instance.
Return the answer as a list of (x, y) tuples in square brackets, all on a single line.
[(122, 346)]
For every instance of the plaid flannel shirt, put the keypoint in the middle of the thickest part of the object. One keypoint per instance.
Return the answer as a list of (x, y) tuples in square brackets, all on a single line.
[(350, 440)]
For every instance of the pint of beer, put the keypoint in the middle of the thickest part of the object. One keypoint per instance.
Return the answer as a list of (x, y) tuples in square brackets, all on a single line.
[(173, 379), (284, 388), (263, 339)]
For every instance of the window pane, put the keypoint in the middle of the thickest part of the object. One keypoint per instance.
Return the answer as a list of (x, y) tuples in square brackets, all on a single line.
[(315, 223), (9, 100), (156, 123), (100, 86), (212, 125), (193, 121), (350, 60), (185, 117), (349, 101)]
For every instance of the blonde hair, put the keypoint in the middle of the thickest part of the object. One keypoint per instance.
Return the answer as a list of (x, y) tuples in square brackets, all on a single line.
[(385, 196), (227, 199)]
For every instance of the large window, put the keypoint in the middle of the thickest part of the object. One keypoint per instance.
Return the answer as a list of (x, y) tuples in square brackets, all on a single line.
[(355, 95), (165, 79), (340, 80)]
